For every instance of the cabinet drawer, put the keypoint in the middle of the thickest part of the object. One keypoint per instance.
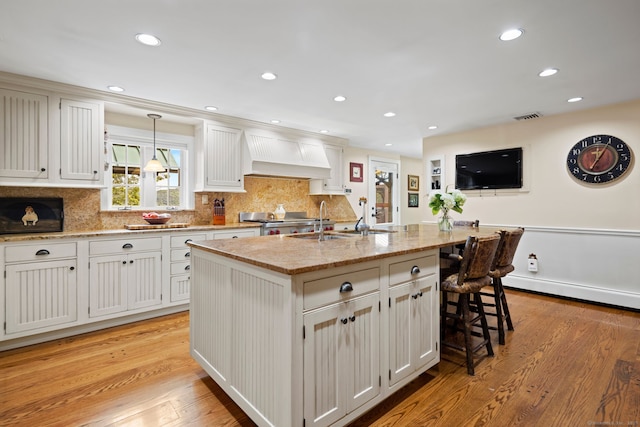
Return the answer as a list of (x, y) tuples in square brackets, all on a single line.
[(182, 239), (180, 267), (103, 247), (402, 272), (317, 293), (41, 251), (234, 234), (182, 254)]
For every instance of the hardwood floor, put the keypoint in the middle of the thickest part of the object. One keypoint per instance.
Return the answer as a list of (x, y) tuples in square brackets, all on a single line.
[(567, 364)]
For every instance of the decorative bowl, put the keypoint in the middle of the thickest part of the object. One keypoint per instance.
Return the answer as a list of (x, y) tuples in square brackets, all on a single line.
[(160, 219)]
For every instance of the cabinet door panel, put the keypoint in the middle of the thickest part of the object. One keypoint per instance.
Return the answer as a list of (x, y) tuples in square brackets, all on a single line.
[(40, 295), (143, 280), (363, 372), (400, 332), (223, 157), (325, 335), (107, 285), (23, 135), (80, 140), (426, 315)]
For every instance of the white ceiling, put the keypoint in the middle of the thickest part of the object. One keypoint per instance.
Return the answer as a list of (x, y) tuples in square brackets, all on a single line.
[(432, 62)]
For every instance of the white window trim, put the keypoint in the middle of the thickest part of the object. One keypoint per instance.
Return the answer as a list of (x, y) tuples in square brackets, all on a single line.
[(144, 138)]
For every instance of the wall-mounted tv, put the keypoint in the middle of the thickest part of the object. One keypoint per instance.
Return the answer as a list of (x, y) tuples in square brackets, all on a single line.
[(489, 169)]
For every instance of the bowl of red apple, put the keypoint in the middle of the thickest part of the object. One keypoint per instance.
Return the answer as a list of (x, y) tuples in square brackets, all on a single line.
[(155, 218)]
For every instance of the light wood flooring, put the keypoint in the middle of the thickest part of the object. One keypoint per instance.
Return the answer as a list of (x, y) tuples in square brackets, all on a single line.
[(566, 364)]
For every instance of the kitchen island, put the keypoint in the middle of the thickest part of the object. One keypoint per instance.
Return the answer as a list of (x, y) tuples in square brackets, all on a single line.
[(301, 332)]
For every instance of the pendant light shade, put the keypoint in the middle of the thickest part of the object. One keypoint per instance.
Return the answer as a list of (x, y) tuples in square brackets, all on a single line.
[(154, 164)]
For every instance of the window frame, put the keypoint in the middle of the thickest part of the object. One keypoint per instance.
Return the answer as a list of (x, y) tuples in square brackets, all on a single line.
[(144, 139)]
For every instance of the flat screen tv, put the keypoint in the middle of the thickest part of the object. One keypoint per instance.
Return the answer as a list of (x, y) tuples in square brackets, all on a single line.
[(489, 169)]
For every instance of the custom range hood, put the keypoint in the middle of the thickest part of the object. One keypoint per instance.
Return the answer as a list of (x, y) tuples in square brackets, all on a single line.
[(270, 155)]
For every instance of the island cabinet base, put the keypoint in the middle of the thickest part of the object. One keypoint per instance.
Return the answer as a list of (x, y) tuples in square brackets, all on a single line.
[(318, 348)]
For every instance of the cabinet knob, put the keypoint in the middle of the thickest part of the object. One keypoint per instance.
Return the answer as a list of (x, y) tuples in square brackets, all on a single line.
[(352, 318), (42, 169), (131, 262), (346, 287), (414, 296), (127, 246), (187, 268), (187, 255), (344, 320), (124, 262), (415, 269), (72, 268), (95, 172), (43, 252)]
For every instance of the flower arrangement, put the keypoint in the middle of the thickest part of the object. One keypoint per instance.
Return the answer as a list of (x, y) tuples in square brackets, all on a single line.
[(446, 201)]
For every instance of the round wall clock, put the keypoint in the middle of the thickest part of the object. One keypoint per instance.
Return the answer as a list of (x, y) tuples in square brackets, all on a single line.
[(599, 159)]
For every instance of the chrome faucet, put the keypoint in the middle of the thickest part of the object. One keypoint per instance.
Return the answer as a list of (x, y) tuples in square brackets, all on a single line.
[(363, 227), (322, 205)]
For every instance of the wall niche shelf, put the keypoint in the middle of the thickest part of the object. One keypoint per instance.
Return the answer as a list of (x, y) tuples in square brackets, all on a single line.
[(435, 173)]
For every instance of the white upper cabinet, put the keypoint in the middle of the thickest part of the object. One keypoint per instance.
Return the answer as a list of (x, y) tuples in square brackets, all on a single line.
[(219, 159), (49, 139), (80, 142), (23, 135), (334, 184)]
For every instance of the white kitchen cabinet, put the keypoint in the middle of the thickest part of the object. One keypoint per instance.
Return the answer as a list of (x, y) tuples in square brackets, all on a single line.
[(24, 135), (413, 317), (341, 359), (40, 288), (124, 275), (219, 161), (181, 265), (341, 346), (80, 140), (335, 184)]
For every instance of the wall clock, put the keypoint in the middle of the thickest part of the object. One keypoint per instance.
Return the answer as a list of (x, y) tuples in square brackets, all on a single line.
[(599, 159)]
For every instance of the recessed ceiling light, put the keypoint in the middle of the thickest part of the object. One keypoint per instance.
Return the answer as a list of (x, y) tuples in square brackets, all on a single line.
[(340, 98), (269, 76), (211, 108), (576, 99), (389, 114), (115, 88), (511, 34), (275, 121), (432, 127), (548, 72), (388, 144), (148, 39), (324, 131)]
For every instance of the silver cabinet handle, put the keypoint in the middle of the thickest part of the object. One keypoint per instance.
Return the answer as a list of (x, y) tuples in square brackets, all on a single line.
[(43, 252), (415, 269)]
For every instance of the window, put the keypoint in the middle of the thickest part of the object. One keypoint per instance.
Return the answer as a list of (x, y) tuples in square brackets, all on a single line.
[(130, 187)]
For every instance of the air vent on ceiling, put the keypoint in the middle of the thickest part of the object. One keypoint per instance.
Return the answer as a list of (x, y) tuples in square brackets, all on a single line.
[(528, 116)]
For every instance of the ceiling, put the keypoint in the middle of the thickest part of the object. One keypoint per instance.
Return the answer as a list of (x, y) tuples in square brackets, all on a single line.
[(432, 62)]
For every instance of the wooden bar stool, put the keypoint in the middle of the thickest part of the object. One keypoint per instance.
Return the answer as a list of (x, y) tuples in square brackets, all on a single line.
[(502, 265), (471, 277)]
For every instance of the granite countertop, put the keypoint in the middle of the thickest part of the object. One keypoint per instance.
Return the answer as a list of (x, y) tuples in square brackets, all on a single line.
[(291, 255), (118, 232)]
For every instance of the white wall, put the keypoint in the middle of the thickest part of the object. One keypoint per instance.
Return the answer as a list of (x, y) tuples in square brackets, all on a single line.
[(571, 226), (408, 166)]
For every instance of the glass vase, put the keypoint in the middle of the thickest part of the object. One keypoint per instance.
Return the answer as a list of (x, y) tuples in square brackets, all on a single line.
[(445, 223), (279, 212)]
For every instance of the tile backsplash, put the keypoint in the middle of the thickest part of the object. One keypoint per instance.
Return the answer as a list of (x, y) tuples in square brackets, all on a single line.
[(82, 206)]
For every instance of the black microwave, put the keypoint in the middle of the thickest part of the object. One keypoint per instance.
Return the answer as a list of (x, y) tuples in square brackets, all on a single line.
[(31, 215)]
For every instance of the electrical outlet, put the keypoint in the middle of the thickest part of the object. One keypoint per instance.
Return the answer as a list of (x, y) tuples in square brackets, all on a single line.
[(533, 264), (205, 199)]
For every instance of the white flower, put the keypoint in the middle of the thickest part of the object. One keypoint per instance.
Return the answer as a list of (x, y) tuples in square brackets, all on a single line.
[(448, 200)]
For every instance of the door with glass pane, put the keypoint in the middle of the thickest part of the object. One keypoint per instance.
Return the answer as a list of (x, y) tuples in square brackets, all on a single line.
[(383, 192)]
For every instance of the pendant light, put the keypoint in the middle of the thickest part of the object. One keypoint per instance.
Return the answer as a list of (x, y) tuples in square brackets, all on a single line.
[(154, 164)]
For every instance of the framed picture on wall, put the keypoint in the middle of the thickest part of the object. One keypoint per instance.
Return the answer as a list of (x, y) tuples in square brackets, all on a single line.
[(413, 200), (414, 183), (355, 172)]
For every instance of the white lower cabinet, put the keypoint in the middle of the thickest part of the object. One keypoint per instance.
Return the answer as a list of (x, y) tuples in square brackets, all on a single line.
[(413, 317), (41, 294), (181, 265), (341, 359), (341, 348), (128, 278)]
